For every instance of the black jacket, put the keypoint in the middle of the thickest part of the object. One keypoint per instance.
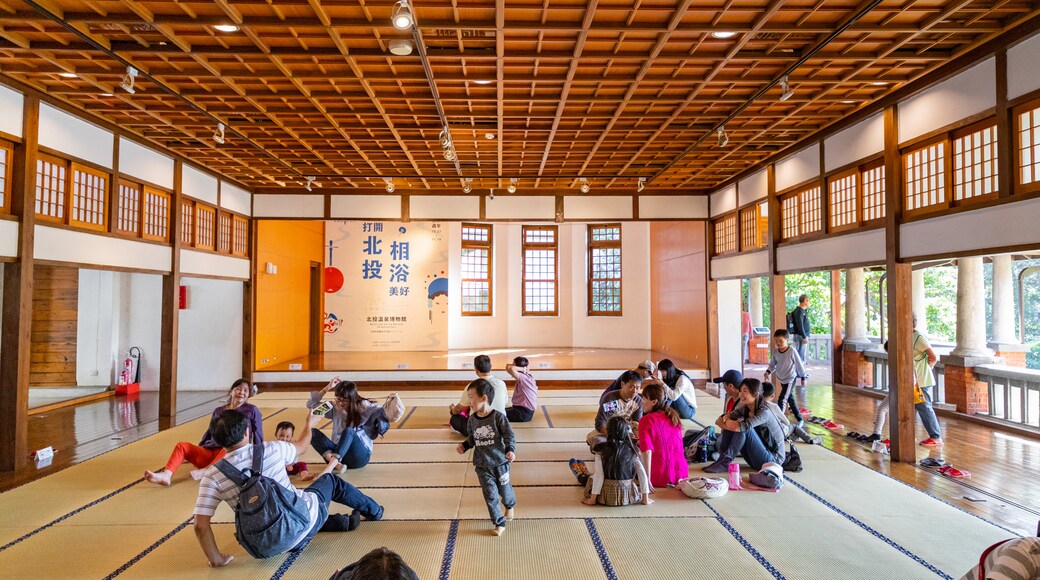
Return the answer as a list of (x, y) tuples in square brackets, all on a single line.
[(800, 318)]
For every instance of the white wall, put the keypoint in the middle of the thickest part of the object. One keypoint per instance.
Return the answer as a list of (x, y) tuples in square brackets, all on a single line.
[(857, 248), (752, 187), (290, 206), (723, 201), (11, 103), (235, 198), (983, 229), (199, 185), (516, 207), (140, 323), (1023, 70), (95, 328), (365, 207), (210, 335), (731, 349), (602, 207), (480, 331), (141, 162), (63, 245), (673, 207), (962, 96), (444, 207), (798, 168), (68, 134), (206, 264), (9, 238), (740, 265), (859, 141)]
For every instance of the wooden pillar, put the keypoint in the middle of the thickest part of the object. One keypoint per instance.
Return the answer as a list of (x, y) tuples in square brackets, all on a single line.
[(249, 308), (171, 313), (714, 359), (18, 292), (836, 327), (900, 306), (1005, 129), (777, 284)]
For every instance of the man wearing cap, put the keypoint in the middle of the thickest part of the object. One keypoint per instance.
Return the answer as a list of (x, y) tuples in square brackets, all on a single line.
[(730, 381), (646, 369)]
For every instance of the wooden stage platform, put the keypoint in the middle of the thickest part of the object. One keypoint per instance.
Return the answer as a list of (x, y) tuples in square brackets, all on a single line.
[(549, 364)]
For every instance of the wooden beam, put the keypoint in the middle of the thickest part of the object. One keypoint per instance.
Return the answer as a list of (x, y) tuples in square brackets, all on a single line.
[(900, 308), (171, 313), (836, 326), (777, 282), (18, 304), (249, 308), (1005, 130), (714, 358)]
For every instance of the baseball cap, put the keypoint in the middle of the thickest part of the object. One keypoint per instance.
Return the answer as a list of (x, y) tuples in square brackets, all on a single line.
[(732, 376), (647, 365)]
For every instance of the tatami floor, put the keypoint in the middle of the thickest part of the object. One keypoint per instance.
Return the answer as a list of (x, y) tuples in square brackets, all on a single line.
[(836, 519)]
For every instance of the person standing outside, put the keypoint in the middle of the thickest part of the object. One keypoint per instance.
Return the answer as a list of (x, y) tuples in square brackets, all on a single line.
[(802, 329), (745, 333)]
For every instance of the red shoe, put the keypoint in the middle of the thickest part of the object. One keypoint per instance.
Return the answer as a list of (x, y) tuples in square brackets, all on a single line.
[(929, 442), (832, 425), (806, 412), (952, 471)]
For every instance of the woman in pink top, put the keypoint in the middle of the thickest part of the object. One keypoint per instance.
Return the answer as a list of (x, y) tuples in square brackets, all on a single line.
[(660, 439)]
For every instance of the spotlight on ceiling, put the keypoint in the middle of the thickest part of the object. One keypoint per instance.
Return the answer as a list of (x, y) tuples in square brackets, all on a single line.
[(489, 136), (585, 187), (402, 15), (848, 102), (484, 82), (723, 137), (310, 181), (218, 135), (445, 139), (640, 184), (128, 80), (227, 27), (68, 75), (492, 196), (785, 85), (106, 95), (512, 185), (467, 185), (401, 46), (723, 34), (449, 153), (879, 83), (389, 184)]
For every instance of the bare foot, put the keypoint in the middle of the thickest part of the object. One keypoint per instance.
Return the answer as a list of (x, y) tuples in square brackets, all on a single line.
[(162, 478), (307, 476), (498, 530), (589, 501), (197, 474)]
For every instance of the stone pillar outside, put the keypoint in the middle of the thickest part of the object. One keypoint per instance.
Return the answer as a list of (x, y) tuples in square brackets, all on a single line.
[(963, 388), (856, 370), (1004, 341), (920, 304), (755, 300)]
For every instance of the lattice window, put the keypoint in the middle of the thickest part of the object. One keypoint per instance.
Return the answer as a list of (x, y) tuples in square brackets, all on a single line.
[(6, 163), (1027, 137), (844, 203), (476, 269), (51, 187), (240, 237), (224, 232), (925, 183), (540, 266), (89, 192), (975, 164), (810, 205), (156, 215), (726, 234), (187, 222), (749, 234), (128, 214), (205, 223), (789, 217), (604, 296), (874, 193)]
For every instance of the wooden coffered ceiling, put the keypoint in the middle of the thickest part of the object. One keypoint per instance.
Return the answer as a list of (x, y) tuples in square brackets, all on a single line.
[(546, 91)]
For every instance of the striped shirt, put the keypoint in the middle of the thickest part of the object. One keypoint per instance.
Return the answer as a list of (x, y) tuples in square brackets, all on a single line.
[(1017, 559), (215, 487)]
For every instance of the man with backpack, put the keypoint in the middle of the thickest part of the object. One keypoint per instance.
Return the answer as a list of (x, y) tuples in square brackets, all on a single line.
[(274, 516), (798, 327)]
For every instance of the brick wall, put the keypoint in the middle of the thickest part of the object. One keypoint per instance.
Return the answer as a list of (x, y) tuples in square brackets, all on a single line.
[(965, 390), (856, 370), (1013, 359)]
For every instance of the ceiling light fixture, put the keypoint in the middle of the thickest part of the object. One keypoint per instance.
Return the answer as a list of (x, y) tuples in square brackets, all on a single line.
[(492, 196), (68, 75), (512, 185), (227, 27), (484, 82), (640, 184), (218, 135), (723, 35), (489, 136), (310, 181), (390, 187), (401, 16), (848, 102), (723, 137), (447, 145), (787, 93), (445, 139), (467, 185), (128, 80), (585, 187), (401, 46), (106, 94), (879, 83)]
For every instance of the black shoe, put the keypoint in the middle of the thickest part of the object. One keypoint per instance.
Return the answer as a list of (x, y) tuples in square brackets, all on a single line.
[(355, 520), (853, 434), (872, 438), (721, 465), (378, 516)]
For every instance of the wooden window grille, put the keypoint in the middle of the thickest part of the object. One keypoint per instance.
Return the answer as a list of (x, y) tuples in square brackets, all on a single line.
[(975, 164), (187, 222), (750, 238), (604, 288), (224, 232), (89, 191), (477, 247), (811, 207), (128, 210), (6, 164), (925, 178), (156, 215), (240, 236), (205, 223), (873, 186), (1027, 146), (789, 217), (51, 188), (843, 201), (726, 234), (540, 267)]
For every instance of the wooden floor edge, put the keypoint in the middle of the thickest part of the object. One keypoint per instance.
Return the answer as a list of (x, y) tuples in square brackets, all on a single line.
[(72, 402)]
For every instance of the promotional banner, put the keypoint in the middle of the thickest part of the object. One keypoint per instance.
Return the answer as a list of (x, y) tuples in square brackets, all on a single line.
[(386, 286)]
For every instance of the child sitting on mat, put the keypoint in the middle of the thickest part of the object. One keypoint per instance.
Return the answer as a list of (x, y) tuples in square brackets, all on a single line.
[(661, 439), (769, 393), (493, 446), (617, 463), (525, 393), (284, 432)]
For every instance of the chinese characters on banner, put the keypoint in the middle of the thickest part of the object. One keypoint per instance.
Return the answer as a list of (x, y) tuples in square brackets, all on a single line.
[(395, 286)]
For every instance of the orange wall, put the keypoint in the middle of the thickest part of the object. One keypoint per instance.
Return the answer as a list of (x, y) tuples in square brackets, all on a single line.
[(283, 299), (678, 292)]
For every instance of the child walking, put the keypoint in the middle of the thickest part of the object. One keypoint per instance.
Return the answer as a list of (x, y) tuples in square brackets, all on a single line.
[(617, 464), (786, 363), (493, 446)]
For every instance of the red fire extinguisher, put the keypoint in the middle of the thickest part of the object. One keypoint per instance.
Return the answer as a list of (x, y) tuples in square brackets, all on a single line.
[(128, 371)]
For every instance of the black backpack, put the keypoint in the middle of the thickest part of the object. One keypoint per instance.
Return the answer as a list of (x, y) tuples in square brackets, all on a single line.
[(793, 461), (269, 518), (790, 324)]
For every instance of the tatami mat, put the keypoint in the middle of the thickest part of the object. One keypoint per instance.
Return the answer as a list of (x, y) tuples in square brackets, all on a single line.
[(565, 502), (528, 549), (180, 558)]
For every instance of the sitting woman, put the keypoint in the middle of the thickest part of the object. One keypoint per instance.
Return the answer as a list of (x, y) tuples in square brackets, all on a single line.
[(678, 388), (350, 444), (617, 463), (661, 439), (208, 451), (750, 429)]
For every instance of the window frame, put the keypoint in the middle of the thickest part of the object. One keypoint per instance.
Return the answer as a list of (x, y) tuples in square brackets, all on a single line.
[(750, 214), (236, 243), (6, 174), (555, 247), (1016, 113), (225, 232), (145, 192), (71, 196), (63, 164), (725, 221), (953, 136), (211, 245), (187, 211), (593, 245), (489, 246)]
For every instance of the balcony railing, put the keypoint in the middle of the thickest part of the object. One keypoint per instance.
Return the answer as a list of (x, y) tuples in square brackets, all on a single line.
[(819, 349), (1014, 393), (879, 366)]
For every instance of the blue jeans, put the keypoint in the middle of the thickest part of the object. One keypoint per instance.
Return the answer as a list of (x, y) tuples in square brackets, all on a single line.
[(801, 343), (330, 488), (927, 415), (685, 410), (748, 444), (350, 448)]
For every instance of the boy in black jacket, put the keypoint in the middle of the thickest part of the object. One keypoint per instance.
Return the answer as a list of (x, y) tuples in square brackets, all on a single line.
[(491, 438)]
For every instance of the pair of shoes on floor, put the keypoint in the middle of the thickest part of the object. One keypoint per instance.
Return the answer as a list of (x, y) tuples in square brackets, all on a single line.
[(832, 425), (818, 420), (817, 440), (951, 471), (933, 462), (721, 465), (343, 522), (930, 442), (580, 470)]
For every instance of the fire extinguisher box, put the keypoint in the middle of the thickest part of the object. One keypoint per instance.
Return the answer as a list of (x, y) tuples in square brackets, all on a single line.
[(130, 389)]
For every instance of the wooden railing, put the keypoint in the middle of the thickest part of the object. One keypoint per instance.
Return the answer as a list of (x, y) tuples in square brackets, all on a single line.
[(879, 367)]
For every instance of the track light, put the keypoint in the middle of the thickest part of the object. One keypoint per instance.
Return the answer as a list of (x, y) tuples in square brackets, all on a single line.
[(723, 137), (310, 181), (218, 135), (128, 80), (389, 184), (447, 145), (585, 187), (786, 86), (402, 15), (492, 196), (640, 184), (512, 185), (449, 153), (445, 139), (467, 185)]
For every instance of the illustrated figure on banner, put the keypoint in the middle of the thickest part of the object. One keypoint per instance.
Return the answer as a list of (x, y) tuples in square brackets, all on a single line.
[(437, 294)]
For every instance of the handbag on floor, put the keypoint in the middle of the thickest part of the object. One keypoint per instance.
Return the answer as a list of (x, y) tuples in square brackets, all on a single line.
[(393, 407), (792, 461)]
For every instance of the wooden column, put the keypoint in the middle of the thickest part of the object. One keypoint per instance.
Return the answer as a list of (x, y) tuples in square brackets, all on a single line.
[(777, 284), (17, 307), (836, 326), (714, 361), (171, 314), (1005, 130), (249, 308), (900, 306)]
